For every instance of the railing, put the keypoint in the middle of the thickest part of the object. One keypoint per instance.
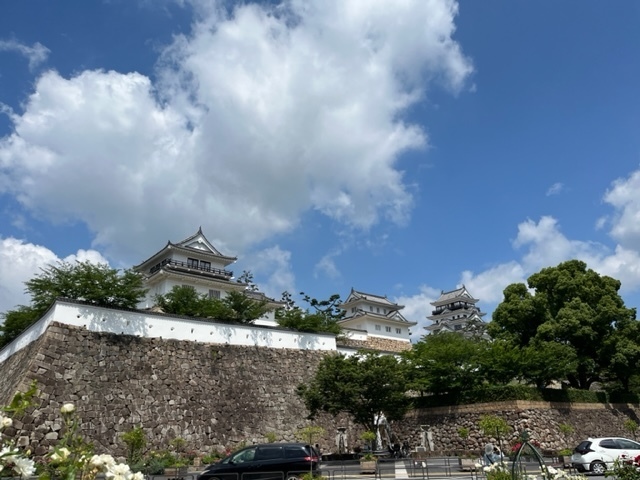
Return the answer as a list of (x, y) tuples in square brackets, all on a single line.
[(192, 267)]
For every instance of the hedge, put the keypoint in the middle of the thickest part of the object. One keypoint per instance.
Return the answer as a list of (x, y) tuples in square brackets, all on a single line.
[(499, 393)]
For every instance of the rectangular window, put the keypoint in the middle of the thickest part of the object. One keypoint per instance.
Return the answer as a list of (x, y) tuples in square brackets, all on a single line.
[(205, 265), (387, 329), (353, 309), (370, 308), (378, 327), (214, 294), (192, 263), (398, 330), (377, 309)]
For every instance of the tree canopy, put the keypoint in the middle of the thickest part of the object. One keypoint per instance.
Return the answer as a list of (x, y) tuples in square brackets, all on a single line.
[(235, 307), (364, 385), (322, 319), (573, 314), (97, 284)]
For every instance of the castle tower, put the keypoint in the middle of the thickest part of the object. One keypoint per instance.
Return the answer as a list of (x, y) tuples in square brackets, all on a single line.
[(454, 312)]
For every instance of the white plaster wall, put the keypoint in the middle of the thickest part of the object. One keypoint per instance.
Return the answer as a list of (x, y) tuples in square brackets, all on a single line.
[(149, 325)]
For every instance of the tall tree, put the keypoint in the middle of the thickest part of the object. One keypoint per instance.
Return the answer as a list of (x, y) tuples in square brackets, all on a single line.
[(97, 284), (572, 306), (366, 386)]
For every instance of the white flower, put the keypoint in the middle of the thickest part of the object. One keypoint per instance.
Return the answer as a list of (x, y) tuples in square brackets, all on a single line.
[(5, 421), (68, 408), (137, 476), (119, 471), (8, 454), (60, 454), (102, 461), (24, 466)]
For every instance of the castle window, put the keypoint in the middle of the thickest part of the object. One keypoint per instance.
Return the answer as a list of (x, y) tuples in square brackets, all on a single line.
[(192, 263), (205, 265), (353, 309), (377, 309), (378, 327), (370, 308), (387, 329), (458, 327), (398, 330), (214, 294)]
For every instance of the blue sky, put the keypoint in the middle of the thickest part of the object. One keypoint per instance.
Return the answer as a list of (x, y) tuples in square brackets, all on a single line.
[(399, 148)]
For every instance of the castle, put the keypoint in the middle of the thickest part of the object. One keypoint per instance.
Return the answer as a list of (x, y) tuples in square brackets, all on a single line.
[(218, 385)]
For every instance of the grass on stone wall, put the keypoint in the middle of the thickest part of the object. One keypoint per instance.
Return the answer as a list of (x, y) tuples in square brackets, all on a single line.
[(500, 393)]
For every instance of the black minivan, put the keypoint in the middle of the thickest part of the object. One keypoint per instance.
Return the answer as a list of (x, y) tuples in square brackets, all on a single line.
[(269, 461)]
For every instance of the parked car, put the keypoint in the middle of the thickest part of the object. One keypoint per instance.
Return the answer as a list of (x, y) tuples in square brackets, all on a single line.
[(269, 461), (597, 454)]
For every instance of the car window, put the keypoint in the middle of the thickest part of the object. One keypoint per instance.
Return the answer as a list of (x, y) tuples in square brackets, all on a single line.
[(295, 452), (269, 453), (628, 444), (609, 443), (246, 455)]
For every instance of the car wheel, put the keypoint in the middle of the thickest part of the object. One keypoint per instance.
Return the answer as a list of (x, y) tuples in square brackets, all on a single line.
[(598, 467), (291, 476)]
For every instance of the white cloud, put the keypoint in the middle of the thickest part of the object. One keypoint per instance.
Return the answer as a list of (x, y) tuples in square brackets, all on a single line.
[(417, 307), (555, 189), (22, 261), (35, 54), (487, 286), (272, 270), (624, 196), (259, 116), (327, 266)]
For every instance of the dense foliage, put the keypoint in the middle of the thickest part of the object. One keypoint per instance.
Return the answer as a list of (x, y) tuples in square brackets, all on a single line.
[(97, 284), (365, 386), (235, 307), (575, 316)]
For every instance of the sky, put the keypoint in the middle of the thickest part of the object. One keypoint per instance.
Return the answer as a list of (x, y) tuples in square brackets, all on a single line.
[(396, 147)]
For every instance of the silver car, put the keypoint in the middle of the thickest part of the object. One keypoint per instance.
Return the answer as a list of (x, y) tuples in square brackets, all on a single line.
[(596, 455)]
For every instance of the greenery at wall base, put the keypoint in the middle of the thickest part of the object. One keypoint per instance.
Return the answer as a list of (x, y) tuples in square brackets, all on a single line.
[(500, 393)]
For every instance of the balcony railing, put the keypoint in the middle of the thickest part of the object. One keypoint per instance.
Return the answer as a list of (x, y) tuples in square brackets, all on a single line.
[(191, 267)]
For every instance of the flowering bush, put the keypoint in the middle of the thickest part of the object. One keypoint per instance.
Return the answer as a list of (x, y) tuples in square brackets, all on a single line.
[(11, 459), (497, 471), (71, 458), (625, 468), (516, 446)]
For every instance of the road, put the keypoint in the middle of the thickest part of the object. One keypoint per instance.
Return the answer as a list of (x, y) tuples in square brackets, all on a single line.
[(443, 468)]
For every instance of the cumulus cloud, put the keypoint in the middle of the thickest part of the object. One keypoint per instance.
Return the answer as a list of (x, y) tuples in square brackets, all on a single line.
[(624, 196), (35, 54), (417, 307), (22, 261), (544, 245), (259, 115)]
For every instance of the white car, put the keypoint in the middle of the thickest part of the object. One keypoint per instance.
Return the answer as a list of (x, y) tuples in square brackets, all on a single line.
[(598, 454)]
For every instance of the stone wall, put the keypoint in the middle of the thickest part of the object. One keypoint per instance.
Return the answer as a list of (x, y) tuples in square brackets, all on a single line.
[(216, 396), (541, 420), (211, 395), (377, 343)]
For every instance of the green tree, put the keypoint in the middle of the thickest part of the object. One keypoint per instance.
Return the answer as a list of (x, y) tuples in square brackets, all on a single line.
[(235, 307), (542, 362), (322, 319), (364, 385), (572, 306), (446, 362), (97, 284)]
